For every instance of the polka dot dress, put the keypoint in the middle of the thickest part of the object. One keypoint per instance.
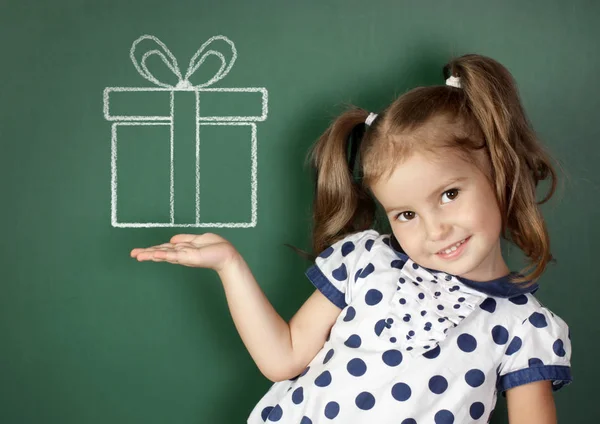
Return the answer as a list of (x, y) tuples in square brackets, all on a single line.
[(414, 345)]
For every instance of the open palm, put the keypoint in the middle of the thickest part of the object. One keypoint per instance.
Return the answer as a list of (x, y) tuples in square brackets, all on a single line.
[(193, 250)]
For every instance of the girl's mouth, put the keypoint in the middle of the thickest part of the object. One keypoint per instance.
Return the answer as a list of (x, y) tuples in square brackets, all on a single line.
[(454, 251)]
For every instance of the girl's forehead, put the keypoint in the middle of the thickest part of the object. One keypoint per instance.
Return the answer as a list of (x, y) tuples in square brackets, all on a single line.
[(431, 167), (420, 175)]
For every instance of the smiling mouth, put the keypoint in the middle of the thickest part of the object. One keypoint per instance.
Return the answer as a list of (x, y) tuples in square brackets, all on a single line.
[(453, 248)]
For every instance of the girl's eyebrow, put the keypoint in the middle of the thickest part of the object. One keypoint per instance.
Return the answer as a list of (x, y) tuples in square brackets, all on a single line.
[(432, 194)]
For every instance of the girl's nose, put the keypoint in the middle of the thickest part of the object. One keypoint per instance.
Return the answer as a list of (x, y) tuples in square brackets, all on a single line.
[(437, 229)]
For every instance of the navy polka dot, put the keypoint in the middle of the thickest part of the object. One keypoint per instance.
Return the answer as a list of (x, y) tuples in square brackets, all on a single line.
[(276, 414), (443, 417), (368, 270), (514, 346), (298, 395), (488, 305), (365, 401), (379, 326), (350, 314), (328, 356), (353, 341), (398, 263), (356, 367), (265, 412), (476, 410), (415, 266), (401, 392), (535, 362), (326, 253), (373, 297), (392, 357), (500, 335), (306, 420), (304, 372), (474, 377), (340, 273), (332, 409), (433, 353), (324, 379), (347, 248), (438, 384), (519, 300), (369, 244), (558, 348), (538, 320), (466, 342), (408, 421), (402, 301)]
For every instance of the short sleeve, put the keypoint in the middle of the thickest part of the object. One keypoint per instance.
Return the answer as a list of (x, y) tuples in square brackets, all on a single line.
[(540, 349), (334, 268)]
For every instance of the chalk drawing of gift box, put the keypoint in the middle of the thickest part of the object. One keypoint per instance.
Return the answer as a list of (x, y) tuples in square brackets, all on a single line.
[(184, 155)]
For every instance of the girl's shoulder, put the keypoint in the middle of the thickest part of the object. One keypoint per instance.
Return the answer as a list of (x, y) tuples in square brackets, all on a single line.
[(359, 242), (527, 307)]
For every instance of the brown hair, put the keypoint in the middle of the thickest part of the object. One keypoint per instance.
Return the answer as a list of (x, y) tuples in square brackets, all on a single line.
[(484, 115)]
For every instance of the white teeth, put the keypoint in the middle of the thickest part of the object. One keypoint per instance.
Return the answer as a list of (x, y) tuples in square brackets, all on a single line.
[(453, 248)]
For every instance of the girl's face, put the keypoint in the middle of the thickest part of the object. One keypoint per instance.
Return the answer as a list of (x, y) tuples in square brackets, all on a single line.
[(434, 204)]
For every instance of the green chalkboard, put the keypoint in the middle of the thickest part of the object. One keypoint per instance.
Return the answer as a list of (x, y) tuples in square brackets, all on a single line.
[(100, 155)]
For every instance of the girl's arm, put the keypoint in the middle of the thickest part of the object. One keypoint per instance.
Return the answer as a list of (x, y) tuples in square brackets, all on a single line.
[(531, 403), (280, 350)]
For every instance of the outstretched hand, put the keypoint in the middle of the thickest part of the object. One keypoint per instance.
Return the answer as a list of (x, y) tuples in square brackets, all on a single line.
[(193, 250)]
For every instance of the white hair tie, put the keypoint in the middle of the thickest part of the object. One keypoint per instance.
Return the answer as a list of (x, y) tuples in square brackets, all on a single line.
[(453, 81), (370, 119)]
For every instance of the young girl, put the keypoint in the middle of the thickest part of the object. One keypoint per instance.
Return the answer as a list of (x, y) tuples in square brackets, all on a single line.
[(426, 324)]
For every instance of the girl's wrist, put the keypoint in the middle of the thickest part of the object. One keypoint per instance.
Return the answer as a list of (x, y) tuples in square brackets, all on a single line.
[(233, 265)]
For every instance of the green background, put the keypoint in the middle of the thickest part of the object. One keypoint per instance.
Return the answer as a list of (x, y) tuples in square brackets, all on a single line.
[(89, 335)]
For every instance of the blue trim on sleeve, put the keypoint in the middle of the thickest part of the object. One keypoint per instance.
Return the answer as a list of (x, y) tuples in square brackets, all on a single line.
[(331, 292), (561, 374)]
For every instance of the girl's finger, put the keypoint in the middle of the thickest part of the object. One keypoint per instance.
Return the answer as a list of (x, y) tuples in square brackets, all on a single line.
[(183, 238), (196, 238), (158, 256), (166, 256)]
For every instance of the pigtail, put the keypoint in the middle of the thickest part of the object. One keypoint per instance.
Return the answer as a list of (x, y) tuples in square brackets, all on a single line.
[(518, 159), (341, 204)]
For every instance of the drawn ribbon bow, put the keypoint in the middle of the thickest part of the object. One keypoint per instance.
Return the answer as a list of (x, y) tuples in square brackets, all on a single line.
[(168, 59)]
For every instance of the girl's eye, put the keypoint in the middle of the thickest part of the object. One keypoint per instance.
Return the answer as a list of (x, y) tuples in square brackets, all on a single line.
[(405, 216), (453, 192)]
